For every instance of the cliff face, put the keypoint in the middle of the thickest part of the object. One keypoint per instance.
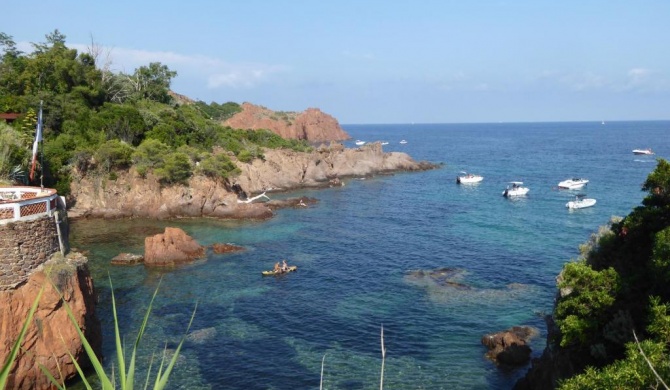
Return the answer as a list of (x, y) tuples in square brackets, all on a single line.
[(51, 334), (132, 196), (311, 124)]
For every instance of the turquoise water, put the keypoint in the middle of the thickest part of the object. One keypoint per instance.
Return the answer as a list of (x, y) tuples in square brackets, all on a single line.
[(356, 250)]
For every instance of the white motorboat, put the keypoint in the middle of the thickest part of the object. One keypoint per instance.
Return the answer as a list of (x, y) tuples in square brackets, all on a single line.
[(515, 188), (573, 184), (385, 143), (643, 151), (360, 143), (580, 202), (468, 178), (403, 142)]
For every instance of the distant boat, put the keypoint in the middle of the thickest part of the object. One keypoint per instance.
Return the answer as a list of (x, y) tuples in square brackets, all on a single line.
[(403, 142), (384, 143), (572, 184), (602, 123), (643, 151), (580, 202), (360, 143), (515, 189), (468, 178)]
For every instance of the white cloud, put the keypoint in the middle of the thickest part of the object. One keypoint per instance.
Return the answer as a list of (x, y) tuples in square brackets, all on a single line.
[(213, 72), (643, 80)]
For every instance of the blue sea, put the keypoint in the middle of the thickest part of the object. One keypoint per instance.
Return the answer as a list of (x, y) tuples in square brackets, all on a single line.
[(359, 252)]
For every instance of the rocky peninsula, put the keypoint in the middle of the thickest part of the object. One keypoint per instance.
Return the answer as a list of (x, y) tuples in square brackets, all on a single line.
[(131, 195)]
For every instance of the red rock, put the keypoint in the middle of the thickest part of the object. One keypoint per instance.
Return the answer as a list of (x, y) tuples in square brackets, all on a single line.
[(51, 336), (311, 125), (171, 248), (510, 346)]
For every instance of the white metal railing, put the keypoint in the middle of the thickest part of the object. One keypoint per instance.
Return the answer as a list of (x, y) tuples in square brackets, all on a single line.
[(25, 203)]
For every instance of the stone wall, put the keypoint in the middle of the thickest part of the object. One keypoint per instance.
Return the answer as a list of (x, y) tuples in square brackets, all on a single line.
[(24, 246)]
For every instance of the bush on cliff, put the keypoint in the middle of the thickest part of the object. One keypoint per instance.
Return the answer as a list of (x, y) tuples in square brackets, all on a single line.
[(218, 166), (618, 290)]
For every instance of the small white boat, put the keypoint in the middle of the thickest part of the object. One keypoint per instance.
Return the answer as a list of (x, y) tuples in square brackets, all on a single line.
[(573, 184), (385, 143), (515, 189), (403, 142), (643, 151), (360, 143), (580, 202), (468, 178)]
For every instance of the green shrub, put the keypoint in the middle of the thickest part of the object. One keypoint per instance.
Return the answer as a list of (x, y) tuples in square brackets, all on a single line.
[(176, 169), (113, 154), (12, 150), (245, 156), (150, 154), (582, 311), (218, 166), (630, 373)]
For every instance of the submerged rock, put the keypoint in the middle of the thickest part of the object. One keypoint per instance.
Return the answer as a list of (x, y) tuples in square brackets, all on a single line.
[(300, 202), (127, 259), (447, 286), (226, 248)]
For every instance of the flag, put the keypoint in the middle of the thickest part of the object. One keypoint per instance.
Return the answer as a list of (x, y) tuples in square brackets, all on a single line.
[(38, 139)]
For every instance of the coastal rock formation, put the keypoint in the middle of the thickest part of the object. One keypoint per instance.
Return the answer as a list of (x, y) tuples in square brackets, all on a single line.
[(127, 259), (131, 195), (226, 248), (312, 124), (286, 169), (510, 347), (51, 335), (171, 248), (554, 365)]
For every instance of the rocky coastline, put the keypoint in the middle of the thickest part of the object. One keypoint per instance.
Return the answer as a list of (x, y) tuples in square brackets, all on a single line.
[(131, 195)]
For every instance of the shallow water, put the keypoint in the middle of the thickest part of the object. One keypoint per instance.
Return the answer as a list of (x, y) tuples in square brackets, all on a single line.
[(356, 251)]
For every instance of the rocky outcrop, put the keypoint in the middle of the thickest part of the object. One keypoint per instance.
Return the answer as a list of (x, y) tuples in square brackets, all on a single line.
[(554, 365), (226, 248), (173, 247), (130, 195), (127, 259), (510, 347), (312, 124), (133, 196), (286, 169), (51, 335)]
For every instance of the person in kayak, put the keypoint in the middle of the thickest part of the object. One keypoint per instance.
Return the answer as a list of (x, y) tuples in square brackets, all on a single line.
[(277, 268), (284, 266)]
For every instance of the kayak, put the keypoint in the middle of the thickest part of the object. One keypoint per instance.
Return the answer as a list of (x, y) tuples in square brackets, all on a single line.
[(271, 273)]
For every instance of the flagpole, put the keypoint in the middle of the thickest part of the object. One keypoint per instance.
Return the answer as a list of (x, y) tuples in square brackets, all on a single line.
[(36, 144), (41, 151)]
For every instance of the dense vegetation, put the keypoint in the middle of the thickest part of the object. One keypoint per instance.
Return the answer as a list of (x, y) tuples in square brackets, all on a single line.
[(97, 121), (617, 293)]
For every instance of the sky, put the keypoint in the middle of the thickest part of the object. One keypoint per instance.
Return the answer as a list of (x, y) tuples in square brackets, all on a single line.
[(392, 61)]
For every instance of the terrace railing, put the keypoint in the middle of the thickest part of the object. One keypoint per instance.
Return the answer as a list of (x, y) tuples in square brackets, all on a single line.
[(26, 203)]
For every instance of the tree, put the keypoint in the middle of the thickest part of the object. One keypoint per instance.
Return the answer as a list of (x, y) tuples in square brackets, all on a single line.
[(152, 82)]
